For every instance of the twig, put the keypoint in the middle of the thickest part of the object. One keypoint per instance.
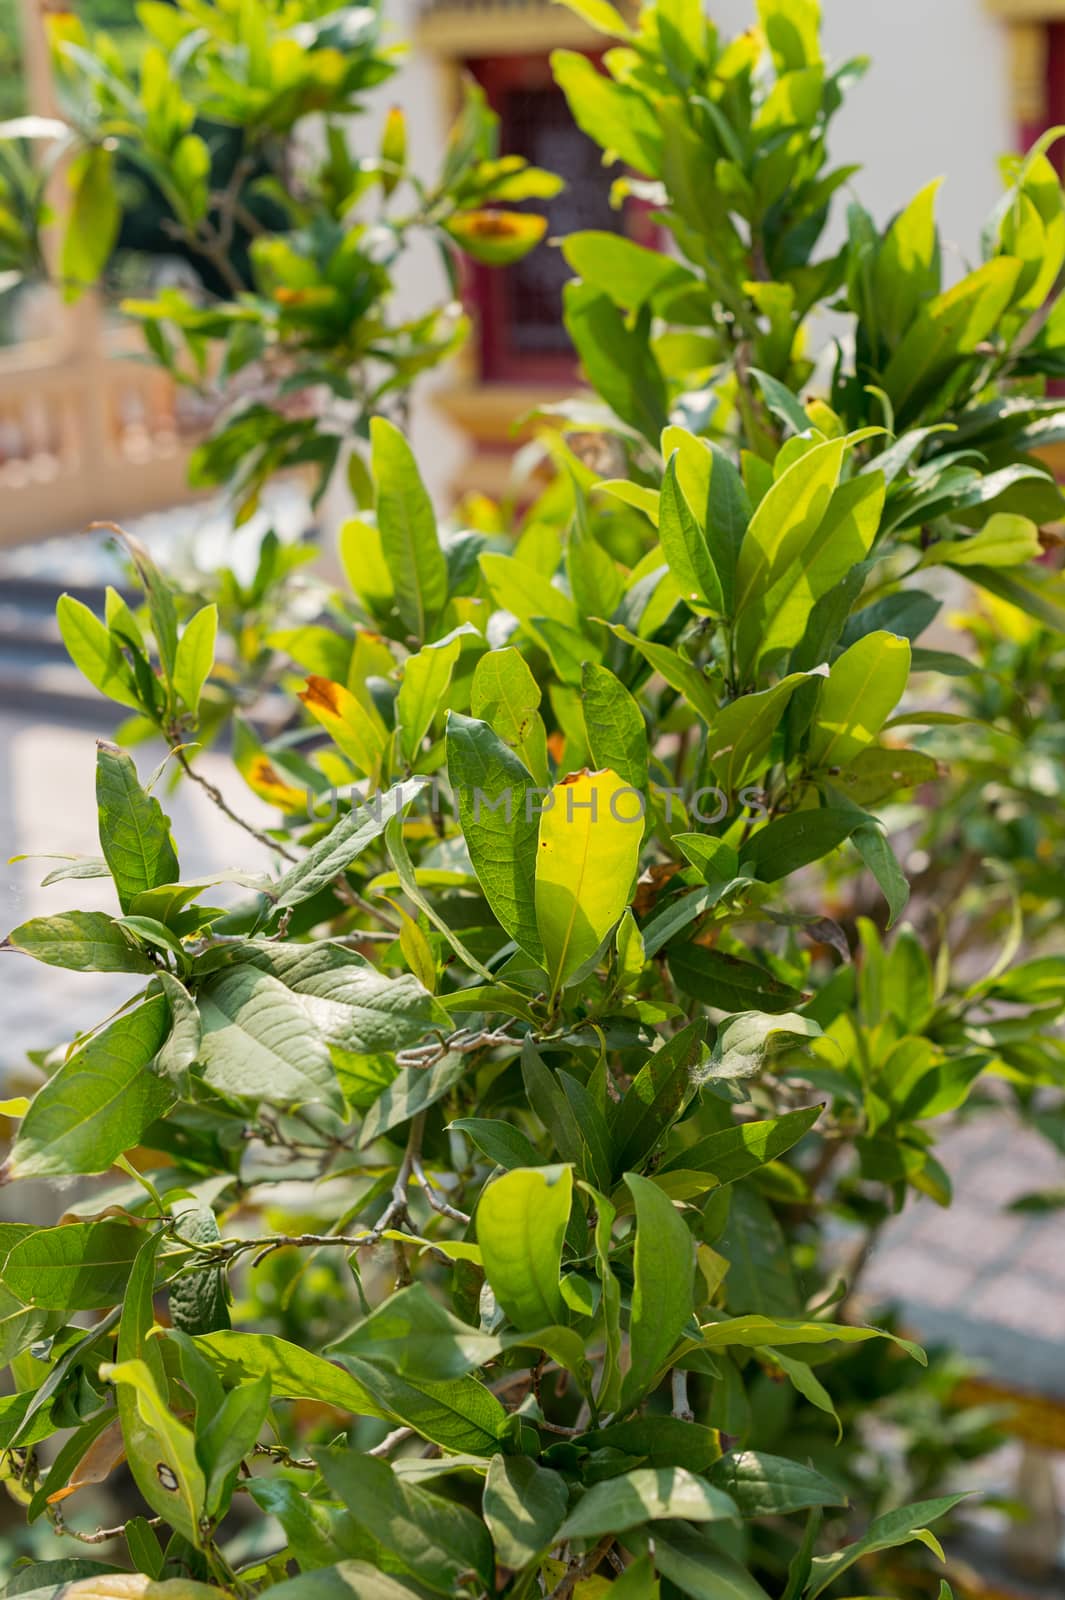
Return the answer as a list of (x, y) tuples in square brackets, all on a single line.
[(280, 1452), (441, 1207), (102, 1535), (462, 1043), (390, 1441), (397, 1206), (215, 795), (580, 1569), (681, 1406)]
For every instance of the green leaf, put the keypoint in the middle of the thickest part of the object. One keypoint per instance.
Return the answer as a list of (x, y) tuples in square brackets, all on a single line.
[(437, 1539), (348, 1580), (656, 1097), (521, 1224), (888, 1532), (678, 673), (411, 1092), (195, 655), (146, 1437), (726, 982), (650, 1494), (874, 847), (407, 525), (786, 519), (733, 1153), (95, 652), (500, 1141), (618, 359), (418, 1338), (630, 273), (747, 1043), (500, 823), (344, 844), (83, 941), (529, 595), (49, 1580), (700, 1570), (664, 1274), (178, 1473), (260, 1042), (740, 735), (505, 694), (349, 1001), (134, 831), (751, 1331), (426, 677), (198, 1300), (99, 1102), (523, 1506), (664, 1441), (862, 689), (685, 548), (805, 1381), (400, 857), (1005, 540), (772, 1486), (547, 1099), (294, 1373), (617, 734), (230, 1435), (603, 17), (615, 117), (793, 841), (93, 219), (589, 845), (81, 1266), (458, 1414)]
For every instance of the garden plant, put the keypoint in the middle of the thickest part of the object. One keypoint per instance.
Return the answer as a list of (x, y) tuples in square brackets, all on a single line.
[(485, 1172)]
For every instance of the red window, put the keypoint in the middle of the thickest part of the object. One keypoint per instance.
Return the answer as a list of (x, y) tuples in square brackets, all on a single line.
[(519, 310)]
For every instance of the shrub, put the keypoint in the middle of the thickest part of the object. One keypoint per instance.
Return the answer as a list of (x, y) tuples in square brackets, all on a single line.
[(469, 1228)]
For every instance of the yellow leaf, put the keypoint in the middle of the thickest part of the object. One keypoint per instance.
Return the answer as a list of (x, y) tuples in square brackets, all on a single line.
[(497, 237), (586, 858), (361, 736)]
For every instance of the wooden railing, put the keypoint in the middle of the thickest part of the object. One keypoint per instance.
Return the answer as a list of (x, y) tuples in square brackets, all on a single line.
[(88, 430)]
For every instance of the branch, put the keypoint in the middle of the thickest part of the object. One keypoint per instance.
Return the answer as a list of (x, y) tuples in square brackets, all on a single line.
[(102, 1535), (681, 1405), (215, 795), (397, 1206), (390, 1441), (580, 1569)]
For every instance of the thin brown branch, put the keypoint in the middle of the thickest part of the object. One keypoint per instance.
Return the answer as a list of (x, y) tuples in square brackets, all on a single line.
[(580, 1569), (440, 1206), (101, 1535), (215, 795)]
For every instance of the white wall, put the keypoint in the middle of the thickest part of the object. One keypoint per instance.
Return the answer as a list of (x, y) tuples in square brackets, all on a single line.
[(933, 103)]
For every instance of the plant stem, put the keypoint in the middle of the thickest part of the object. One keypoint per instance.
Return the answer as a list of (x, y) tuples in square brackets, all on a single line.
[(215, 795)]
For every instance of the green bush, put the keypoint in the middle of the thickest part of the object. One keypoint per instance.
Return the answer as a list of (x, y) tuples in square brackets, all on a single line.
[(472, 1160)]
